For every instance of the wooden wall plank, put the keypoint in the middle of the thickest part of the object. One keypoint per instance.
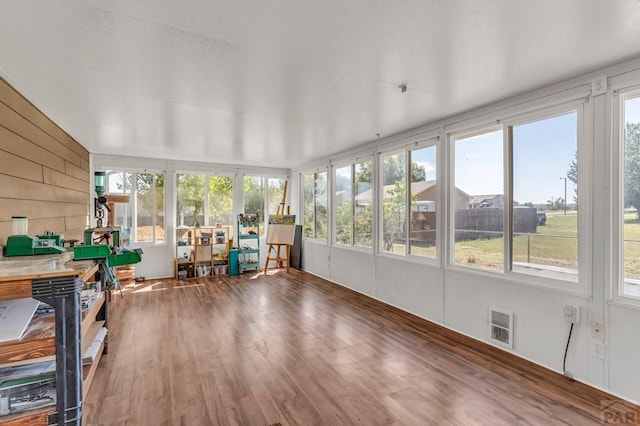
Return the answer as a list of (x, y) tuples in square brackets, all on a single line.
[(75, 222), (18, 124), (17, 145), (52, 177), (11, 187), (25, 108), (12, 165), (74, 234), (76, 172), (35, 209), (44, 173), (5, 230), (51, 224)]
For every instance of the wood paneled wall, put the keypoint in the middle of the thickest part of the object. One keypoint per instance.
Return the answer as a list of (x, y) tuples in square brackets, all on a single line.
[(44, 172)]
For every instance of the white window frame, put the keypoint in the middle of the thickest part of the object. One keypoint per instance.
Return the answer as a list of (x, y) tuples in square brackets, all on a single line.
[(547, 113), (134, 201), (477, 130), (351, 164), (618, 152), (315, 172), (404, 149), (581, 284)]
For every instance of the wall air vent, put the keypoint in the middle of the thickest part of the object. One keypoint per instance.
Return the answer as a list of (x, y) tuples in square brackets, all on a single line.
[(501, 327)]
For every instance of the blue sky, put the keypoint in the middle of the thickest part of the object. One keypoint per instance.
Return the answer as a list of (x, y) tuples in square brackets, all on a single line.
[(542, 154), (543, 151)]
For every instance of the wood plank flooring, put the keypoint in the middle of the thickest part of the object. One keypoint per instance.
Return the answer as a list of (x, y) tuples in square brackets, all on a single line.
[(294, 349)]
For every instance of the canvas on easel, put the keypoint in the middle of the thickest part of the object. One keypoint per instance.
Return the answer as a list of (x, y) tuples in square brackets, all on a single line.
[(280, 233)]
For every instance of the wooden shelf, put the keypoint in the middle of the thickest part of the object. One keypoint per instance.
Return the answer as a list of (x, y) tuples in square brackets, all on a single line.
[(36, 417), (202, 249), (37, 341)]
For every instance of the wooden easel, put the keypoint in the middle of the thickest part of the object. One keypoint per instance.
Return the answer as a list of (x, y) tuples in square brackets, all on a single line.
[(279, 257)]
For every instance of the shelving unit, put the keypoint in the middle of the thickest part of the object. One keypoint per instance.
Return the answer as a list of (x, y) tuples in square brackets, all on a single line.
[(62, 336), (202, 251), (248, 242)]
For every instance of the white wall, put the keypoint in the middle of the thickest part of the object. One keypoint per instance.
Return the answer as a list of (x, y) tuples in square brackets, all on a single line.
[(460, 299)]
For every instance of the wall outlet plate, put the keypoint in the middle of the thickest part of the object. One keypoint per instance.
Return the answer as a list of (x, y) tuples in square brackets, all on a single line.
[(597, 349), (571, 313)]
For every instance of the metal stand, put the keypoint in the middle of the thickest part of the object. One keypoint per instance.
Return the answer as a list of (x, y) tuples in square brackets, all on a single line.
[(107, 276), (64, 295)]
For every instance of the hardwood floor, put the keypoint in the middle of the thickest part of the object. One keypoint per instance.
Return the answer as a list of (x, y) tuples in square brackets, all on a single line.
[(295, 349)]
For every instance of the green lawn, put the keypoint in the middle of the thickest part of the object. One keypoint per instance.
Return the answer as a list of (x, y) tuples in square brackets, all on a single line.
[(554, 244)]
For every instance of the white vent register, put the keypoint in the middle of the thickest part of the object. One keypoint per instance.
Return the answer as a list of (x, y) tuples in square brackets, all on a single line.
[(501, 327)]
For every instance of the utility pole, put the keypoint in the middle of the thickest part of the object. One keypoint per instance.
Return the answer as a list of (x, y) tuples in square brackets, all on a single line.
[(565, 194)]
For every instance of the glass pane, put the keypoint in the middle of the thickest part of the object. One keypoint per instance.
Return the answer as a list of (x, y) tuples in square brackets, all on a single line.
[(145, 206), (631, 222), (221, 201), (424, 196), (343, 205), (394, 202), (190, 204), (120, 183), (254, 198), (321, 205), (545, 208), (276, 191), (309, 205), (159, 231), (478, 201), (363, 210)]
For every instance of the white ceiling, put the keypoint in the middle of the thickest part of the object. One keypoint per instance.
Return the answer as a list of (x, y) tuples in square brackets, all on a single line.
[(281, 82)]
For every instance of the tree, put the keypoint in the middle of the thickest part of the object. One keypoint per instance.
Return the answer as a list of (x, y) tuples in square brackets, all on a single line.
[(221, 200), (572, 175), (190, 206), (393, 170), (632, 167), (555, 204), (393, 215)]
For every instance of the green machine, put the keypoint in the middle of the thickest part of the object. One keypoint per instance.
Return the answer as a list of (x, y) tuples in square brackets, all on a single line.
[(102, 243), (26, 245), (21, 244)]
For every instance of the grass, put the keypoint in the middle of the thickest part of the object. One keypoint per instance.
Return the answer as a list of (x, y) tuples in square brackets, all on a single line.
[(554, 244)]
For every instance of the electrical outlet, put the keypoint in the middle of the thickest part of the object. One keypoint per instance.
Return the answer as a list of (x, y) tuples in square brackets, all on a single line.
[(597, 330), (597, 350), (571, 313)]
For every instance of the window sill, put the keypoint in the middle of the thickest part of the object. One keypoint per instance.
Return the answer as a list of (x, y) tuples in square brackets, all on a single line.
[(531, 281)]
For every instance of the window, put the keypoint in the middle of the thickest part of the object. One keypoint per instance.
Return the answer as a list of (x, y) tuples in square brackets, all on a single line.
[(353, 204), (394, 201), (630, 220), (204, 200), (477, 200), (191, 200), (545, 198), (275, 195), (220, 200), (315, 205), (142, 216), (256, 198), (423, 197), (415, 206)]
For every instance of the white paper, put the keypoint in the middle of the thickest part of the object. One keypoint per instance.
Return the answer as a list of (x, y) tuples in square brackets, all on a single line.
[(15, 316)]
